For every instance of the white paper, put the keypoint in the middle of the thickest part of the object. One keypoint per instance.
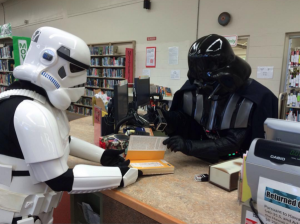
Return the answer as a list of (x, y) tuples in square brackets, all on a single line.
[(150, 54), (146, 72), (251, 218), (265, 72), (175, 74), (278, 203), (146, 143), (148, 164), (173, 55)]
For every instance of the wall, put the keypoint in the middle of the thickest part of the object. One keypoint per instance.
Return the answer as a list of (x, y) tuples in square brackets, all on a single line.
[(265, 21), (173, 22)]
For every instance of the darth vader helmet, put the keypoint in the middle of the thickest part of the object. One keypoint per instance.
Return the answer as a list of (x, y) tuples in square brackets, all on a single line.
[(215, 68)]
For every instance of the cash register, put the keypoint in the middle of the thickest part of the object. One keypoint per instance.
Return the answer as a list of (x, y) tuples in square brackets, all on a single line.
[(277, 157)]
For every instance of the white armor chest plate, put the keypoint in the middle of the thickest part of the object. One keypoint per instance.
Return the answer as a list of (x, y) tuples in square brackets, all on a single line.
[(62, 121)]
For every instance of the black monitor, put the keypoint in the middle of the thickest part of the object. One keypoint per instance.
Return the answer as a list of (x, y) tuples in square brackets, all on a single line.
[(120, 102), (142, 91)]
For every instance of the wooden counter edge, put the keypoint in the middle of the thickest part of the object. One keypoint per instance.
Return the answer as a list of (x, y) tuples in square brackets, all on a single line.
[(141, 207)]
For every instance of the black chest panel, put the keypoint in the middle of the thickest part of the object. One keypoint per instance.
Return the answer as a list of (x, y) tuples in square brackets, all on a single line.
[(9, 142), (232, 111)]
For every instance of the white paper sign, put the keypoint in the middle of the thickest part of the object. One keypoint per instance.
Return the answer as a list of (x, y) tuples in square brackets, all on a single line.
[(173, 55), (278, 203), (251, 218), (146, 72), (232, 39), (175, 74), (265, 72), (150, 57)]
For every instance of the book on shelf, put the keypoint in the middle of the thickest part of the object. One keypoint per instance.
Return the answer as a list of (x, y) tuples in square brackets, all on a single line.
[(6, 52), (146, 153), (6, 79), (113, 61), (80, 110), (103, 50)]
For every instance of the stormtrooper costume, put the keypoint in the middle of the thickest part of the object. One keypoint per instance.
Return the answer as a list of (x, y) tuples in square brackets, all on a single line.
[(34, 133)]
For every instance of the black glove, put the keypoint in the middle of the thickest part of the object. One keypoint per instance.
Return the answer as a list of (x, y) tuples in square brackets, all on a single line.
[(124, 171), (111, 157), (177, 143)]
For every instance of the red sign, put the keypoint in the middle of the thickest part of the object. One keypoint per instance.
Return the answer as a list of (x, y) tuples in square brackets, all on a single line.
[(151, 38), (129, 65)]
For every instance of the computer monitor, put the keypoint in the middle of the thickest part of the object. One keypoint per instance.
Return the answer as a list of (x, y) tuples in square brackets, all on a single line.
[(142, 91), (282, 131), (120, 101)]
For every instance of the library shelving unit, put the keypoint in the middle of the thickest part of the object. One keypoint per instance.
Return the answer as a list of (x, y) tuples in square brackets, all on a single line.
[(111, 62), (12, 53)]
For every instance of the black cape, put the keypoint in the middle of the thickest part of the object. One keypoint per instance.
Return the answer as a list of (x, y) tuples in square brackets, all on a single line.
[(266, 104)]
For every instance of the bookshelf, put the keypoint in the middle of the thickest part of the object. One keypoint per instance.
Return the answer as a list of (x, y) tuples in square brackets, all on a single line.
[(7, 62), (109, 65), (12, 53)]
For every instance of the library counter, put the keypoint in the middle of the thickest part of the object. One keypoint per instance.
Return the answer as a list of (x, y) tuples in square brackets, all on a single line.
[(172, 198)]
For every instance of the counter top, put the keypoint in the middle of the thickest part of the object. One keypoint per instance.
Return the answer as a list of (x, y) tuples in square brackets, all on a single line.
[(178, 194)]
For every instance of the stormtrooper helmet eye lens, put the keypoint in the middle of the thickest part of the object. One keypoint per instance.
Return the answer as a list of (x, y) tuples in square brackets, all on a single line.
[(75, 68)]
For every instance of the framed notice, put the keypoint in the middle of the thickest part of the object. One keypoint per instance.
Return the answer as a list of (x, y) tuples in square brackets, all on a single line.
[(150, 57)]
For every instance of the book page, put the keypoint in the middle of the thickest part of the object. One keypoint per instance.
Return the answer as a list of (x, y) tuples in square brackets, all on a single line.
[(147, 164), (146, 143), (230, 167)]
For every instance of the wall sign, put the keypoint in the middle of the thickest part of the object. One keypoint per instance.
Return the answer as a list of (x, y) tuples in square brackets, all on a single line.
[(150, 57), (151, 38), (265, 72), (232, 39)]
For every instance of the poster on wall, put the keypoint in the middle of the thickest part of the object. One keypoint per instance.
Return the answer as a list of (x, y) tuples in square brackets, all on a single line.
[(173, 55), (150, 57), (175, 74), (265, 72)]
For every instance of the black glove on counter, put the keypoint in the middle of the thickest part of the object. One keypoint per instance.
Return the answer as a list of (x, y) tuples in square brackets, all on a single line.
[(208, 149), (177, 143), (111, 157)]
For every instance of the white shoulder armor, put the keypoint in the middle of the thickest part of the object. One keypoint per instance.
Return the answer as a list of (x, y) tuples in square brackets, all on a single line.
[(37, 132)]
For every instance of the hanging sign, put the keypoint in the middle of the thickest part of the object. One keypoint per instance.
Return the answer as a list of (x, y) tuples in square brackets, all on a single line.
[(232, 39)]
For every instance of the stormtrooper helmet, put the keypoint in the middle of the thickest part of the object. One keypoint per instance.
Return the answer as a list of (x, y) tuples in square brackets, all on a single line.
[(57, 61)]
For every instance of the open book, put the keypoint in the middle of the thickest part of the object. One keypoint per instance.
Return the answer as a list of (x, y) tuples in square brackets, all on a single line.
[(146, 153)]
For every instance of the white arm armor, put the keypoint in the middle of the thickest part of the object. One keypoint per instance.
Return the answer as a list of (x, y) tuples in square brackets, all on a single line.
[(38, 134), (85, 150), (89, 179)]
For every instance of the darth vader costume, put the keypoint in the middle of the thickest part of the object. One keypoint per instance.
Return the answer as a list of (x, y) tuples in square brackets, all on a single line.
[(219, 110)]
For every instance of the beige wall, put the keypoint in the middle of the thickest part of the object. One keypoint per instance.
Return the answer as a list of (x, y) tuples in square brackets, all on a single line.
[(173, 22)]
